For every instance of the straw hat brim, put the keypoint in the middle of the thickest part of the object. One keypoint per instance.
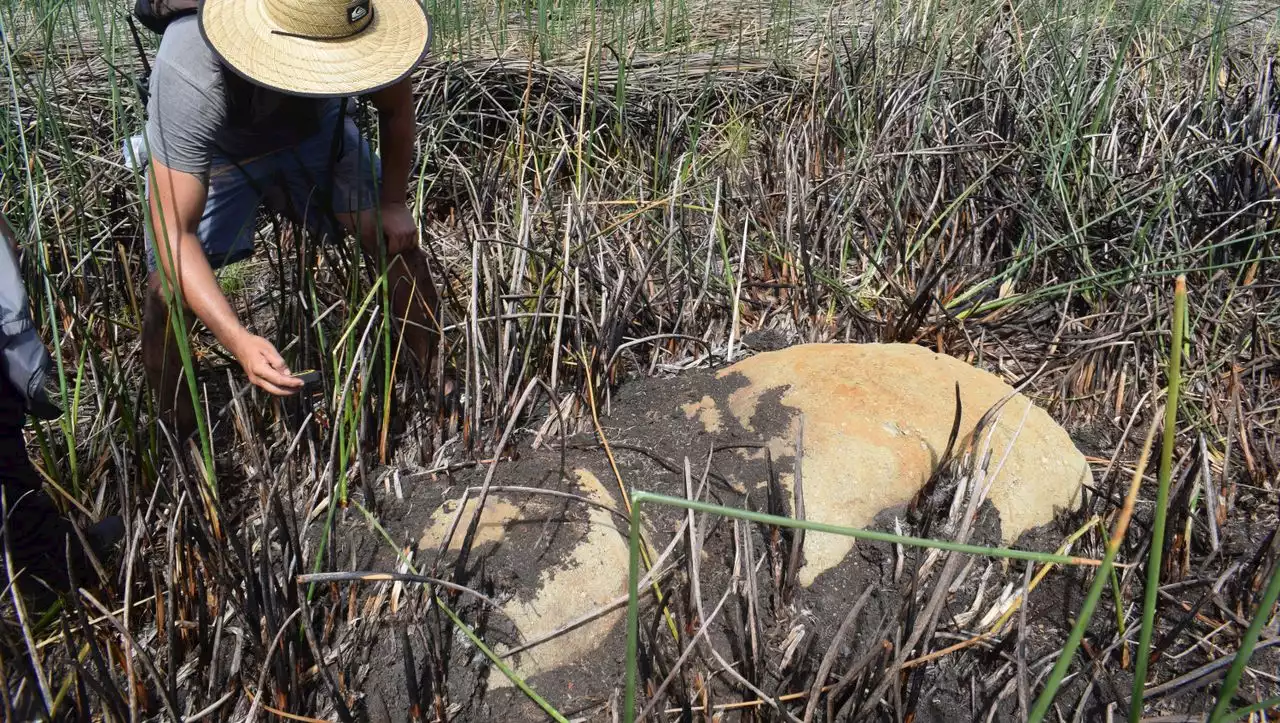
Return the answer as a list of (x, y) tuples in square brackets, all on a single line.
[(396, 40)]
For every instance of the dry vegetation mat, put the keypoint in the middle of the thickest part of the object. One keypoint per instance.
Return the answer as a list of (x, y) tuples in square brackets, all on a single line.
[(636, 189)]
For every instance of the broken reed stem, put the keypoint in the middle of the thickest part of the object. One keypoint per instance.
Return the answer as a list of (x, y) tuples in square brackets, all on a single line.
[(375, 577), (1156, 554), (1236, 671), (962, 645), (493, 658), (757, 703), (626, 500), (633, 616), (860, 534), (639, 497), (1100, 581), (283, 714)]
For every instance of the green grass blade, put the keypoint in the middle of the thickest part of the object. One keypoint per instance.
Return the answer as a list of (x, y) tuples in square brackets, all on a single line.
[(1267, 704), (1162, 500), (1073, 640), (633, 609), (859, 534), (639, 497)]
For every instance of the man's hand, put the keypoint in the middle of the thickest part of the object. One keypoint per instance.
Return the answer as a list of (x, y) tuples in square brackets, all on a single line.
[(398, 228), (264, 366)]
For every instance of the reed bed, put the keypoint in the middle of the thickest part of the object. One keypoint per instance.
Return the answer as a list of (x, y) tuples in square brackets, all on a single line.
[(626, 188)]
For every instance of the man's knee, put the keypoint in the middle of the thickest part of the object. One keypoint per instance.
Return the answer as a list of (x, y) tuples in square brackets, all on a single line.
[(363, 225), (157, 321), (155, 308), (160, 288)]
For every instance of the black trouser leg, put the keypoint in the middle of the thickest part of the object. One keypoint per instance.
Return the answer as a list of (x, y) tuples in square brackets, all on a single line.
[(37, 534)]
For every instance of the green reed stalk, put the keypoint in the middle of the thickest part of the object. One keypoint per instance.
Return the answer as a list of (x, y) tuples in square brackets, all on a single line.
[(1261, 705), (493, 658), (1162, 500)]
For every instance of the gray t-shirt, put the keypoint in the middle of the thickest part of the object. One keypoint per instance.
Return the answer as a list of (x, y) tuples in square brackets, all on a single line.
[(198, 109)]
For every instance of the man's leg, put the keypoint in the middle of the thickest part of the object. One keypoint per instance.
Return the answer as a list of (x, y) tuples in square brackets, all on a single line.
[(414, 302), (162, 358)]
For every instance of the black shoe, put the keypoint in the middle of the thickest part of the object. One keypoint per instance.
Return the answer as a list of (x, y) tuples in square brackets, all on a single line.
[(44, 574), (104, 539), (105, 536)]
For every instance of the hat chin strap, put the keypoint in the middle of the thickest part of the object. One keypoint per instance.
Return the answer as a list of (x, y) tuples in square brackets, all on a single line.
[(363, 27)]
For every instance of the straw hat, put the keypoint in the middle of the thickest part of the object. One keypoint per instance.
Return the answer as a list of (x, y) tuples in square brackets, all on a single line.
[(321, 48)]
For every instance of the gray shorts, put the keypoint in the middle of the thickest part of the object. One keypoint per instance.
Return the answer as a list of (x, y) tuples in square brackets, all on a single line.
[(292, 181)]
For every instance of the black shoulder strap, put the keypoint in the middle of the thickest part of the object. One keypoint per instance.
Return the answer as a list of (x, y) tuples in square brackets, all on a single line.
[(157, 14), (142, 83)]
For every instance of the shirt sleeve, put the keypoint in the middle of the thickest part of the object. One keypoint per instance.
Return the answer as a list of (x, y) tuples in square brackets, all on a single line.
[(183, 118)]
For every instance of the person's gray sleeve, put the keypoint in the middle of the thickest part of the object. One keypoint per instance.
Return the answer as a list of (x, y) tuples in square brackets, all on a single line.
[(24, 360), (13, 295), (182, 120)]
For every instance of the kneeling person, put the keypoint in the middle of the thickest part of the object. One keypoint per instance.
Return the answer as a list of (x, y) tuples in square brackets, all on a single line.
[(246, 108)]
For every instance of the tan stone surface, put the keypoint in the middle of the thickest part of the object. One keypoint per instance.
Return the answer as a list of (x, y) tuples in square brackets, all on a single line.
[(492, 528), (706, 412), (594, 574), (876, 419)]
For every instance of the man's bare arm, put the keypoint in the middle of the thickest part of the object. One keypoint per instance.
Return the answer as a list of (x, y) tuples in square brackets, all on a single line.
[(177, 203), (397, 127)]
